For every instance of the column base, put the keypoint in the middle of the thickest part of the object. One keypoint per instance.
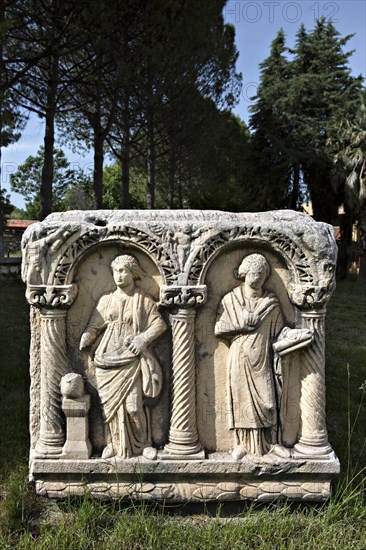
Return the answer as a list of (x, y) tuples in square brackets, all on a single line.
[(47, 451), (174, 451), (301, 451), (319, 452)]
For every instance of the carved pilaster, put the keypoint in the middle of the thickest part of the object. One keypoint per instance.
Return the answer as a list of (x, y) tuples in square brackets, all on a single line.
[(313, 433), (183, 436)]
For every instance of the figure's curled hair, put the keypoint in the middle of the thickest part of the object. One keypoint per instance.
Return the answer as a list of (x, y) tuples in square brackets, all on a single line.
[(253, 260), (130, 262)]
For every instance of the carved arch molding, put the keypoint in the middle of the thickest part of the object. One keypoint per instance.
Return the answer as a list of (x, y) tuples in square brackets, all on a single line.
[(305, 247)]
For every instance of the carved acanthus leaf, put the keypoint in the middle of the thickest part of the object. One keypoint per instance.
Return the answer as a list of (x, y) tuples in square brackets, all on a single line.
[(183, 296), (51, 297)]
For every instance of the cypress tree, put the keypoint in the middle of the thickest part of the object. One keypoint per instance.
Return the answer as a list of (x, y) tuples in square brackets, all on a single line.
[(270, 163), (322, 93), (299, 105)]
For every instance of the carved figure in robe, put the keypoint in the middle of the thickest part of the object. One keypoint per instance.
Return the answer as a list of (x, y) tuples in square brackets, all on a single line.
[(126, 369), (250, 318)]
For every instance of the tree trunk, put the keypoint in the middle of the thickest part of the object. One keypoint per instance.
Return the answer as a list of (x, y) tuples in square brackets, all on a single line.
[(361, 279), (99, 136), (125, 169), (345, 244), (49, 140), (125, 154), (180, 189), (171, 179), (295, 188), (98, 166), (2, 221), (2, 217), (150, 194)]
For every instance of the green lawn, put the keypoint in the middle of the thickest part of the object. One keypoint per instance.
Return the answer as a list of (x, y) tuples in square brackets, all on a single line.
[(30, 522)]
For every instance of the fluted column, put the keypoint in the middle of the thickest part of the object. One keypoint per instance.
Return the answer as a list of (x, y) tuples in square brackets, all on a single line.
[(183, 441), (313, 438)]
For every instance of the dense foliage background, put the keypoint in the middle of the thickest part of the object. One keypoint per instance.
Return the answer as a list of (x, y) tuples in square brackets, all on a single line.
[(151, 86)]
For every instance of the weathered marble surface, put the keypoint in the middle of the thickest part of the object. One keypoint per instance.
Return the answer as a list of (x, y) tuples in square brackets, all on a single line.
[(221, 329)]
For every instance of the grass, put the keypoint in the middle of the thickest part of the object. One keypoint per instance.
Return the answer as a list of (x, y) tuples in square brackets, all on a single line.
[(31, 522), (346, 375), (14, 376)]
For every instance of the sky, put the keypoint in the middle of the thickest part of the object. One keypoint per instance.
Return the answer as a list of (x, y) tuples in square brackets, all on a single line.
[(256, 24)]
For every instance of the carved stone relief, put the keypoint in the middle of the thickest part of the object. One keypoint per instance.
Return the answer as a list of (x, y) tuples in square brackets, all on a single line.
[(198, 338), (126, 321), (250, 318)]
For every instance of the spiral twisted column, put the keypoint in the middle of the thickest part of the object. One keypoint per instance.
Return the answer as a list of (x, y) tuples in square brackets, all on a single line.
[(183, 436), (53, 302), (313, 438), (54, 365), (183, 441)]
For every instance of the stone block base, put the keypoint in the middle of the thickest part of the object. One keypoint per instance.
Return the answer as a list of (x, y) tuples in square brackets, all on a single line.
[(218, 478)]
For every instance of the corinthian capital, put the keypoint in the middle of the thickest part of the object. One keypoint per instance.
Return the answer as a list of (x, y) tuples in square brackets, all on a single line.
[(51, 297), (183, 296)]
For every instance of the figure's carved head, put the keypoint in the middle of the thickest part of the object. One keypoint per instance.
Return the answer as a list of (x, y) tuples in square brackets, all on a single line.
[(187, 228), (72, 385), (254, 263), (125, 260)]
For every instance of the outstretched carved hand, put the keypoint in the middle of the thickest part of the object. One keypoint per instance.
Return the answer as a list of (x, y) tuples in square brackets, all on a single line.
[(137, 345), (87, 339)]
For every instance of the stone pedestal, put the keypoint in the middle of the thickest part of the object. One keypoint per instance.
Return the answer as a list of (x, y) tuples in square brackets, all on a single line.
[(77, 445), (215, 479)]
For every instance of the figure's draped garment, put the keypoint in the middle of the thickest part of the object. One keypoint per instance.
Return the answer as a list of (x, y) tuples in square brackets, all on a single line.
[(123, 379), (252, 395)]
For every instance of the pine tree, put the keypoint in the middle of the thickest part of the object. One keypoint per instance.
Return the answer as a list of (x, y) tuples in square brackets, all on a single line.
[(51, 28)]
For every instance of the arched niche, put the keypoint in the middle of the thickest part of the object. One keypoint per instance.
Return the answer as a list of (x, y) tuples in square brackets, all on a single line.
[(93, 275), (75, 252), (212, 352)]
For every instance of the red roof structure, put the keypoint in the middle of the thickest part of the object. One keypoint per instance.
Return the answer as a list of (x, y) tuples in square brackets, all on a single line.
[(19, 224)]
